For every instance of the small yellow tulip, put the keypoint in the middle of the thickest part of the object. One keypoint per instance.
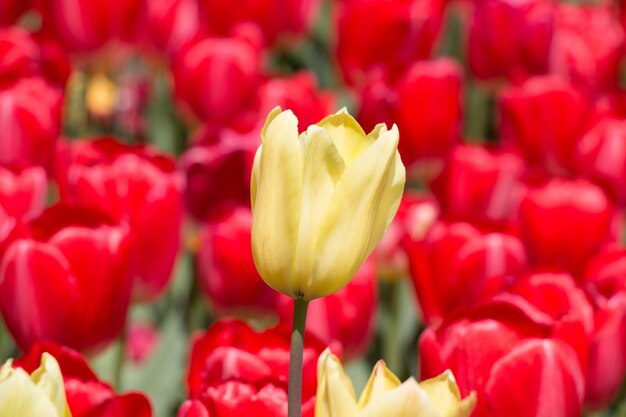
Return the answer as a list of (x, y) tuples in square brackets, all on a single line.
[(385, 396), (41, 394), (321, 200)]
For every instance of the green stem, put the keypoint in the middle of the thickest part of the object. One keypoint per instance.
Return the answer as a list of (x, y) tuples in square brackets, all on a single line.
[(295, 359), (392, 351), (118, 370)]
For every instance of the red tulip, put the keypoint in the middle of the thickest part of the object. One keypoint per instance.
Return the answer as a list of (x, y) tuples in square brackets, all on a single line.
[(234, 370), (456, 265), (217, 178), (601, 156), (87, 396), (173, 23), (506, 351), (605, 279), (193, 408), (226, 269), (416, 215), (480, 184), (588, 45), (298, 93), (88, 26), (235, 62), (426, 105), (11, 10), (346, 317), (23, 191), (141, 341), (274, 18), (397, 33), (67, 280), (563, 222), (510, 38), (138, 185), (543, 118)]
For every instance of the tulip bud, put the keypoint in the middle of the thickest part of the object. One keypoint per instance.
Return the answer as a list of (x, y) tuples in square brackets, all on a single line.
[(38, 394), (321, 201), (385, 395), (225, 267), (543, 118), (397, 33), (588, 45), (87, 396), (67, 279), (510, 38), (564, 222), (480, 184), (136, 185)]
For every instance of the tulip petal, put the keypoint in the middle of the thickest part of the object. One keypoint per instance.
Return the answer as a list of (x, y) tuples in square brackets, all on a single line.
[(407, 400), (278, 202), (444, 393), (360, 199), (323, 167), (335, 392), (381, 381), (49, 379), (347, 134)]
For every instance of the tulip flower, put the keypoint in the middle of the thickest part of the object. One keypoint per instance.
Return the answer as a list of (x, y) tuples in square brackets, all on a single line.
[(35, 395), (543, 118), (510, 38), (235, 370), (315, 195), (87, 396), (66, 278), (518, 359), (225, 267), (456, 265), (23, 191), (344, 319), (397, 33), (11, 10), (580, 219), (172, 24), (601, 156), (134, 184), (588, 45), (480, 184), (385, 395)]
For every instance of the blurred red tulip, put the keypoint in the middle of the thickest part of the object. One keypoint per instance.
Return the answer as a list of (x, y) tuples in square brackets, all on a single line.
[(507, 353), (88, 26), (397, 33), (298, 93), (564, 222), (141, 340), (87, 396), (193, 408), (456, 265), (543, 118), (510, 38), (173, 23), (225, 267), (217, 179), (416, 215), (480, 184), (605, 279), (588, 44), (67, 279), (23, 191), (601, 156), (346, 317), (235, 62), (137, 185), (234, 370), (11, 10), (426, 105), (274, 18)]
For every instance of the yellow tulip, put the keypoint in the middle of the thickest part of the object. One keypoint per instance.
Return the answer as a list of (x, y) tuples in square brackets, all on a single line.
[(385, 396), (41, 394), (321, 200)]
